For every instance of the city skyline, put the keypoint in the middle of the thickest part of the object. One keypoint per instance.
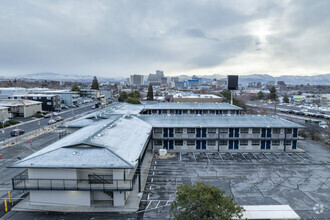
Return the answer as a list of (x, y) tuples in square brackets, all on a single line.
[(116, 39)]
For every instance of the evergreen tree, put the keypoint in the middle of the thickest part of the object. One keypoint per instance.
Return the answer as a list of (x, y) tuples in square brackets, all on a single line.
[(123, 96), (272, 93), (133, 100), (261, 95), (286, 98), (75, 88), (150, 94), (95, 84), (202, 201)]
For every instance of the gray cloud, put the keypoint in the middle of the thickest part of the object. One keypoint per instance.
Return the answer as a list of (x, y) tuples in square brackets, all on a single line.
[(117, 38)]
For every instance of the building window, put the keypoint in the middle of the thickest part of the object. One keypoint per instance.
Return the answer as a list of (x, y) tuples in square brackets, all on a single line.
[(158, 142), (223, 142), (256, 130), (211, 143), (276, 130), (225, 112), (289, 131), (255, 143), (49, 103), (224, 130), (211, 130), (275, 142), (179, 130), (191, 130), (244, 130), (243, 142), (288, 143), (190, 142), (34, 97), (49, 98), (178, 142), (158, 130)]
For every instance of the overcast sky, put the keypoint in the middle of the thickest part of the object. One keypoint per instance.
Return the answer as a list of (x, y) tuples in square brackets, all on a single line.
[(119, 38)]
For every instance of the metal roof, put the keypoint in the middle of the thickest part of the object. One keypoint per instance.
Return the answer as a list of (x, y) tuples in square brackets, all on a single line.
[(192, 106), (104, 144), (14, 102), (218, 121)]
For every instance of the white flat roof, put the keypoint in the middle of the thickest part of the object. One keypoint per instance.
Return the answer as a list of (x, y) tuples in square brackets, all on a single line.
[(269, 212)]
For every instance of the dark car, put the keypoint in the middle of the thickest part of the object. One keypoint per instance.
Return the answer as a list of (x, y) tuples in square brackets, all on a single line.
[(16, 132)]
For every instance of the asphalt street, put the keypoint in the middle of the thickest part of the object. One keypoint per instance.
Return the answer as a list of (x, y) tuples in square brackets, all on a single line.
[(34, 124)]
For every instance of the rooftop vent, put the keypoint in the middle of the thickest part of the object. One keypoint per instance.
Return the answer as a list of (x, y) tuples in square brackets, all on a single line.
[(127, 116)]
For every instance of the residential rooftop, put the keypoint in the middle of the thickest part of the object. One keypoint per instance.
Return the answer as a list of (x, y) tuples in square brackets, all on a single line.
[(218, 121), (13, 102), (192, 106), (105, 144)]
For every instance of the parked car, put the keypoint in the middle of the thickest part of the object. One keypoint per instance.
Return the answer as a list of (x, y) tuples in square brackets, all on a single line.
[(47, 115), (52, 121), (17, 132), (55, 114), (59, 118)]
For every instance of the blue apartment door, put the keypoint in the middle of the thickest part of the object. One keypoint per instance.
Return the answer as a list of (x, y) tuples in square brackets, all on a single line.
[(269, 132), (236, 132), (170, 132), (231, 132), (165, 146), (198, 132), (295, 132), (230, 144), (268, 145), (198, 145), (262, 145), (165, 133), (294, 144), (170, 144), (203, 145), (203, 132), (236, 144), (263, 132)]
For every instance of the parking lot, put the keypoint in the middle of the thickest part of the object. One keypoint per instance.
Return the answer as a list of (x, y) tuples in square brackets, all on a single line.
[(300, 180)]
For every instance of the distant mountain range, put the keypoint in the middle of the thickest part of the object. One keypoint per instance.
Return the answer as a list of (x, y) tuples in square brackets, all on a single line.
[(64, 77), (323, 79)]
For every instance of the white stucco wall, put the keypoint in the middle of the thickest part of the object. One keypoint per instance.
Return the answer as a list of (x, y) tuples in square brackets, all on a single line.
[(52, 173), (61, 198), (118, 198)]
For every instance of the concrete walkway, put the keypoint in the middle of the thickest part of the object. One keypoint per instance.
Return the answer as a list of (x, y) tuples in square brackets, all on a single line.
[(132, 204)]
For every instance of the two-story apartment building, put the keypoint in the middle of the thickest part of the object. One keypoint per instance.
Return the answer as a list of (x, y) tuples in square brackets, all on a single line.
[(100, 163), (223, 133), (49, 102)]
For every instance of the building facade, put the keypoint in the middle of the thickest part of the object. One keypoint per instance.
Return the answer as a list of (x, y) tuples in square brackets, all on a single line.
[(136, 80), (244, 133), (21, 108)]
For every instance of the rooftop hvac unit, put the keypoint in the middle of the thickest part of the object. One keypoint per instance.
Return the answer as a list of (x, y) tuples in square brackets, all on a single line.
[(162, 152)]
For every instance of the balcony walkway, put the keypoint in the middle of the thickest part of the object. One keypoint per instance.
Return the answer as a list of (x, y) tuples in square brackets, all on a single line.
[(132, 204)]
